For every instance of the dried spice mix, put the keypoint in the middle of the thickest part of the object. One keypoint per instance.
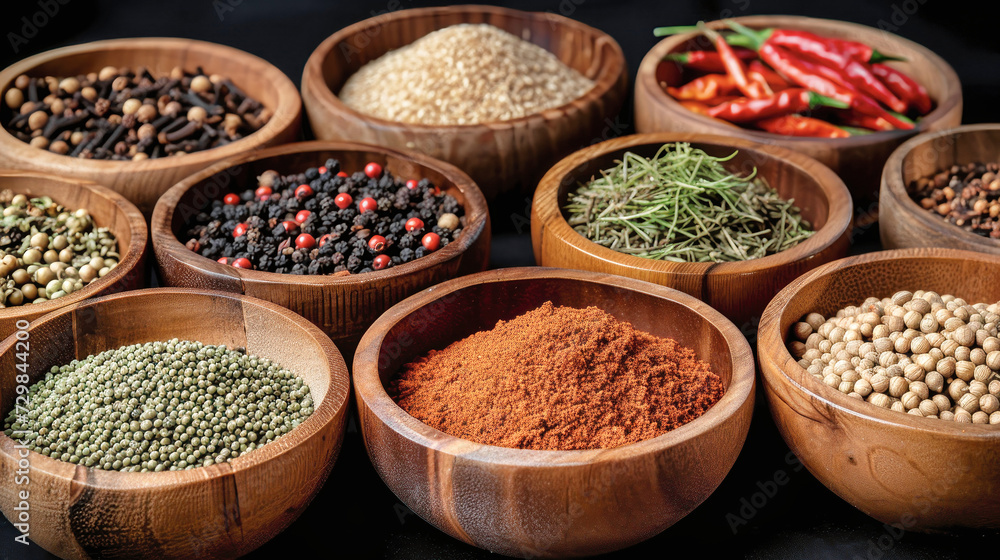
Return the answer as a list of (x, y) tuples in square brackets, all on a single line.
[(558, 378)]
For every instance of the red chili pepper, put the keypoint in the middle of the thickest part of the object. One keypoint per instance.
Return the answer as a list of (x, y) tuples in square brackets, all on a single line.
[(797, 125), (696, 107), (790, 101), (904, 86), (755, 89), (772, 78), (866, 121), (705, 87), (820, 50), (708, 61)]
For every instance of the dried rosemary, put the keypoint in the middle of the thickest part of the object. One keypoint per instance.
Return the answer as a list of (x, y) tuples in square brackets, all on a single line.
[(683, 205)]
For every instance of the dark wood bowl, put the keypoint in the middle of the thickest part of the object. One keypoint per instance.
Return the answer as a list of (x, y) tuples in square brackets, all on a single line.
[(923, 473), (109, 210), (501, 157), (142, 182), (220, 511), (740, 290), (904, 223), (343, 306), (858, 160), (532, 503)]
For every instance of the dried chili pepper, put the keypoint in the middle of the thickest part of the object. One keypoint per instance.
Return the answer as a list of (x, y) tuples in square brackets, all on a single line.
[(695, 107), (905, 87), (708, 61), (756, 88), (705, 87), (795, 100), (773, 79), (797, 125), (866, 121)]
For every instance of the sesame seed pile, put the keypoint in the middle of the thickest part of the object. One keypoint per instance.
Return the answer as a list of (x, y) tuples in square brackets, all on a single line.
[(463, 74)]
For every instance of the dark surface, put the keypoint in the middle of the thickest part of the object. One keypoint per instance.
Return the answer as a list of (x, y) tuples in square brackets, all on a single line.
[(355, 514)]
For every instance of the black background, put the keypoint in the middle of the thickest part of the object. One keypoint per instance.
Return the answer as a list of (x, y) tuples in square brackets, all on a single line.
[(355, 514)]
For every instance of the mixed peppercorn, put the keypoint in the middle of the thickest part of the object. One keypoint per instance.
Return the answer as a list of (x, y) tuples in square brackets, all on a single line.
[(967, 196), (325, 221), (793, 83)]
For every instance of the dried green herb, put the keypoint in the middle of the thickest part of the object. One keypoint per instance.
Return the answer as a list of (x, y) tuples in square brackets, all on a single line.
[(683, 205)]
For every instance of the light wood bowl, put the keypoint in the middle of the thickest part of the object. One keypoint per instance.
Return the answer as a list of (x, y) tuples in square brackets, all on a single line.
[(502, 157), (109, 210), (858, 160), (923, 473), (221, 511), (904, 222), (343, 306), (532, 503), (142, 182), (739, 290)]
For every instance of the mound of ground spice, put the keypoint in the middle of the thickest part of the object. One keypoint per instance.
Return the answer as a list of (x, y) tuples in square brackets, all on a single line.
[(558, 378)]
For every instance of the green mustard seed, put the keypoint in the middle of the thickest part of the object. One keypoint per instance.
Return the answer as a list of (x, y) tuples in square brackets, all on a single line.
[(159, 406)]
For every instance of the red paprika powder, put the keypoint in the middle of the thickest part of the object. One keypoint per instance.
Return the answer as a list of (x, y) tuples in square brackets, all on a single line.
[(558, 378)]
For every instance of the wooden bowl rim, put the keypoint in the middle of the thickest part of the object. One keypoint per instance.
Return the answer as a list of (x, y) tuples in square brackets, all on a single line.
[(129, 256), (838, 218), (284, 113), (892, 179), (369, 388), (476, 213), (647, 77), (312, 75), (323, 414), (784, 369)]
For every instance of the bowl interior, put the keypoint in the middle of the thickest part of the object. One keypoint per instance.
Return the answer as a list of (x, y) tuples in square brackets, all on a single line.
[(107, 323), (198, 197), (576, 45), (939, 152), (791, 181), (447, 319)]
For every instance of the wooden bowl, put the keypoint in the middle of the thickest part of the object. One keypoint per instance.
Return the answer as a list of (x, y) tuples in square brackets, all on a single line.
[(142, 182), (343, 306), (532, 503), (858, 160), (905, 223), (221, 511), (109, 210), (920, 473), (500, 156), (740, 290)]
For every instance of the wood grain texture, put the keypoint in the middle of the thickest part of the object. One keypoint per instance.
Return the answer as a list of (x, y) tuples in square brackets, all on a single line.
[(502, 157), (905, 223), (887, 464), (858, 160), (142, 182), (343, 306), (110, 210), (221, 511), (532, 503), (739, 290)]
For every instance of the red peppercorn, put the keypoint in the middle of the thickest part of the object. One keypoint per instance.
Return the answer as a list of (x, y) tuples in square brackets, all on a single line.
[(303, 191), (262, 192), (265, 197), (431, 241), (376, 243), (343, 200), (240, 229), (381, 262), (242, 263), (223, 260), (412, 184), (289, 225), (231, 199), (368, 204), (302, 216), (305, 241), (341, 174), (373, 170), (322, 240), (414, 224), (322, 170)]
